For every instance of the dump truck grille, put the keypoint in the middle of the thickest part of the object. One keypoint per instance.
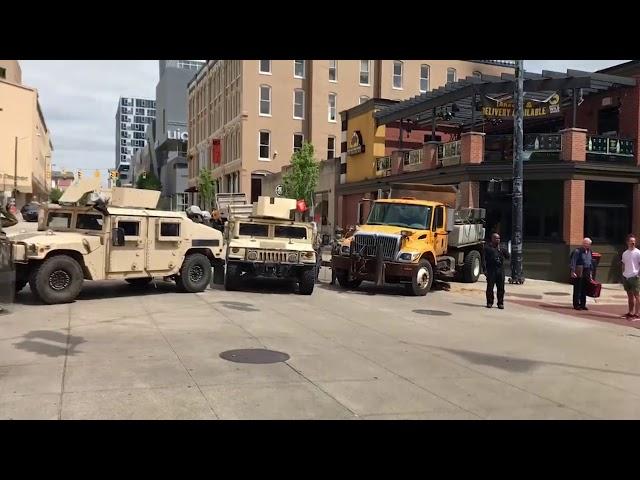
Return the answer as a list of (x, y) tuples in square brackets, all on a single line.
[(272, 256), (367, 243)]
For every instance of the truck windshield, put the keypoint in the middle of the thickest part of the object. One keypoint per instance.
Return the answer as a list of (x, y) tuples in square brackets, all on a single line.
[(59, 220), (89, 221), (254, 230), (291, 232), (400, 215)]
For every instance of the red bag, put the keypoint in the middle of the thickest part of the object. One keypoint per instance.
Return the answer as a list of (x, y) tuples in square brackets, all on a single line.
[(593, 289)]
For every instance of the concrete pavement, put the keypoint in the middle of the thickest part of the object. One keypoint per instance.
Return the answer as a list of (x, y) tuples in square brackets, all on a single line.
[(365, 354)]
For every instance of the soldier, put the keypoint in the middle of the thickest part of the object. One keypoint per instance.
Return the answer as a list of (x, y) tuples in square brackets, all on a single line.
[(494, 256)]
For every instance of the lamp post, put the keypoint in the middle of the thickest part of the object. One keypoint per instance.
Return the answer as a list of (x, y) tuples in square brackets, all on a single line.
[(516, 213)]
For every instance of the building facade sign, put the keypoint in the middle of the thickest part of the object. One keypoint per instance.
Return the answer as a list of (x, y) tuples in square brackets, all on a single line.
[(503, 107), (356, 145), (177, 135)]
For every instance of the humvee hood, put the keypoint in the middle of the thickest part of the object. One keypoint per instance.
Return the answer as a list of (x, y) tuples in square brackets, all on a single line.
[(60, 240)]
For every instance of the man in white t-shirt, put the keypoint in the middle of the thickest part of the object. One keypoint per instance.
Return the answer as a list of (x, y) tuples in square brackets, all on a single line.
[(631, 277)]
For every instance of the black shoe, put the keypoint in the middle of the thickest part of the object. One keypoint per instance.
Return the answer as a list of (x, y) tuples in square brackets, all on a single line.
[(501, 307), (577, 308), (489, 305), (584, 308)]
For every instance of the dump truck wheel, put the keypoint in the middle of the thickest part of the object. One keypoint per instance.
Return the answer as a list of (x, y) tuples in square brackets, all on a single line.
[(472, 267), (421, 280), (345, 282), (231, 277), (138, 282), (307, 281), (57, 280), (195, 273)]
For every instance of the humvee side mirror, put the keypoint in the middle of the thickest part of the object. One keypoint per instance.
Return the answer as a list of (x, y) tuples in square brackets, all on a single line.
[(117, 237)]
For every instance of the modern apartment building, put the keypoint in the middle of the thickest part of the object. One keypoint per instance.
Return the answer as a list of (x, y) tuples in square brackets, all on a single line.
[(133, 117), (246, 117), (25, 142)]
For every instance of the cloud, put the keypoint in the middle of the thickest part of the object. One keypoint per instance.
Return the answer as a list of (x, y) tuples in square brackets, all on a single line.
[(79, 101)]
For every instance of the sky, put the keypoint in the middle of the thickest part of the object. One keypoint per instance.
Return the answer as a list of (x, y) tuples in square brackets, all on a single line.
[(79, 99)]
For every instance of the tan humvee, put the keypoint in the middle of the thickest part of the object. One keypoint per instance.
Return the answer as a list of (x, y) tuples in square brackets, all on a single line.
[(113, 235), (267, 243)]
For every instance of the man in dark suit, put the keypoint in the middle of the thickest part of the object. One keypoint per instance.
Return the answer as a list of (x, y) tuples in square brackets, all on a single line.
[(493, 262), (581, 273)]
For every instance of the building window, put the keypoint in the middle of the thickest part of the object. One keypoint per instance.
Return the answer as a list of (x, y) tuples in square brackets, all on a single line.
[(424, 78), (364, 72), (265, 100), (139, 111), (362, 99), (332, 107), (123, 157), (298, 68), (452, 76), (3, 72), (298, 104), (298, 138), (331, 147), (123, 142), (397, 74), (265, 66), (265, 144), (333, 70), (123, 126)]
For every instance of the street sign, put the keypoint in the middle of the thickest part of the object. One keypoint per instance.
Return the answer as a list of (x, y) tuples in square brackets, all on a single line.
[(279, 190)]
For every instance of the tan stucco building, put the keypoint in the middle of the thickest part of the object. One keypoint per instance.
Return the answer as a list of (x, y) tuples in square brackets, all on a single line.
[(246, 117), (21, 118)]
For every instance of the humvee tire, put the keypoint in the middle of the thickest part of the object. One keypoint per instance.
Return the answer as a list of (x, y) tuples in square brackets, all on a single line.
[(231, 277), (343, 280), (20, 284), (195, 274), (307, 281), (138, 282), (56, 280), (472, 267)]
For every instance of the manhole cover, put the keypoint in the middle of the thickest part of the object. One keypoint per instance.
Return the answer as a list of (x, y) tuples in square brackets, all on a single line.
[(557, 294), (435, 313), (254, 355)]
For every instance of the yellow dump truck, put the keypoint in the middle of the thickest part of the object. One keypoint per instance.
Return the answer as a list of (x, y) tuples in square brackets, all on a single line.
[(411, 237)]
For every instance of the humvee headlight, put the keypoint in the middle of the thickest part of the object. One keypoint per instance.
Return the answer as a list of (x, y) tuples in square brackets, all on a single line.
[(308, 256), (252, 255), (292, 258), (407, 256), (32, 248), (345, 250), (235, 250)]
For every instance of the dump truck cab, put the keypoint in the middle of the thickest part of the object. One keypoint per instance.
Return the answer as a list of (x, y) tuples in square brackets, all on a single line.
[(267, 243), (411, 238), (116, 234)]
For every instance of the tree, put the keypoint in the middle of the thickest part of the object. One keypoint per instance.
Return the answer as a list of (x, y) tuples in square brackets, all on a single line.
[(206, 188), (54, 195), (148, 181), (301, 178)]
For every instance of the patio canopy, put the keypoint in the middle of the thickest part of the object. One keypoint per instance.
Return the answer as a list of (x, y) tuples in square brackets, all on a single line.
[(463, 98)]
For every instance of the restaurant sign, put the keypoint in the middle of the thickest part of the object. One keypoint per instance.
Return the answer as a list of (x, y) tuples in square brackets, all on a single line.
[(356, 145), (503, 106)]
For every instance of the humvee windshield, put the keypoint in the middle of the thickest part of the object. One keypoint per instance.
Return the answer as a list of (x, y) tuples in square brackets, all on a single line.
[(291, 232), (59, 220), (400, 215), (254, 230), (89, 221)]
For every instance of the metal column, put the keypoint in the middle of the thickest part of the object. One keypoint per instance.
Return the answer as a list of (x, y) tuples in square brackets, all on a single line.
[(516, 215)]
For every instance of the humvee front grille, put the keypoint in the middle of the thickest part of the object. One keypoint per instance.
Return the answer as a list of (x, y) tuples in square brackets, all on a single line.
[(366, 244), (272, 256)]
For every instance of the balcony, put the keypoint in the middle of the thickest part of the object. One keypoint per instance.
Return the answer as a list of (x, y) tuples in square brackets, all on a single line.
[(609, 149), (383, 166), (536, 146), (449, 153)]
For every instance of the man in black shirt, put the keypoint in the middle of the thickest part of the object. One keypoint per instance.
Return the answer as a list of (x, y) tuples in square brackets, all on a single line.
[(494, 256)]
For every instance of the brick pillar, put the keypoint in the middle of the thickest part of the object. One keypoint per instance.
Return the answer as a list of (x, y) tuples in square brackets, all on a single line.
[(469, 194), (574, 145), (472, 147), (397, 162), (573, 212), (430, 155), (635, 214)]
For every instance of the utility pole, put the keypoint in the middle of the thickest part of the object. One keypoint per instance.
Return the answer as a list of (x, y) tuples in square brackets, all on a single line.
[(516, 213), (15, 171)]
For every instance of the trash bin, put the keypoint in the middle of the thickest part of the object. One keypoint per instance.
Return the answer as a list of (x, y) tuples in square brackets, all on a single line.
[(596, 257)]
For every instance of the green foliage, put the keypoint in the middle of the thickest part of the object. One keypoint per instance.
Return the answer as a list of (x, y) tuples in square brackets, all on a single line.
[(301, 178), (148, 181), (54, 195), (206, 188)]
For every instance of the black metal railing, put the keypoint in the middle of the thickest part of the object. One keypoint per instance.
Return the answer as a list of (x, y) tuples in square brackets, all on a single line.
[(449, 153), (601, 148), (537, 146)]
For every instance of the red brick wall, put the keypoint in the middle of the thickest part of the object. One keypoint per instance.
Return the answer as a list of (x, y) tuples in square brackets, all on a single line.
[(472, 148), (573, 212), (574, 145), (413, 140), (469, 194)]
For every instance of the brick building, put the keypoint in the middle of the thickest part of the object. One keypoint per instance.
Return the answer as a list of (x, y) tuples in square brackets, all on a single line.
[(581, 173)]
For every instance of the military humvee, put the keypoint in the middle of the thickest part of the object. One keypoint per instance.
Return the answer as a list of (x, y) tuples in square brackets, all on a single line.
[(113, 235), (266, 243)]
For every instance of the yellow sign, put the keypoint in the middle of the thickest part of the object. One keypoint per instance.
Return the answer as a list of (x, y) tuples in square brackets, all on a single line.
[(504, 107)]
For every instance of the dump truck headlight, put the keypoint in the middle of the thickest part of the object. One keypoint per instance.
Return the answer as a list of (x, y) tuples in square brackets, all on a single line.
[(407, 256), (345, 250)]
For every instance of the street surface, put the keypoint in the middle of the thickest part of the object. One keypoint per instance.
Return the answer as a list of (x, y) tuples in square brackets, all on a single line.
[(118, 353)]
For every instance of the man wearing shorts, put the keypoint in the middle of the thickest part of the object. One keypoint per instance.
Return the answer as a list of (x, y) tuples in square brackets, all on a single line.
[(631, 277)]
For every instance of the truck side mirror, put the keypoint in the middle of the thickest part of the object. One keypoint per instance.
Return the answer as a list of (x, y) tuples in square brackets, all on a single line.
[(117, 237)]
